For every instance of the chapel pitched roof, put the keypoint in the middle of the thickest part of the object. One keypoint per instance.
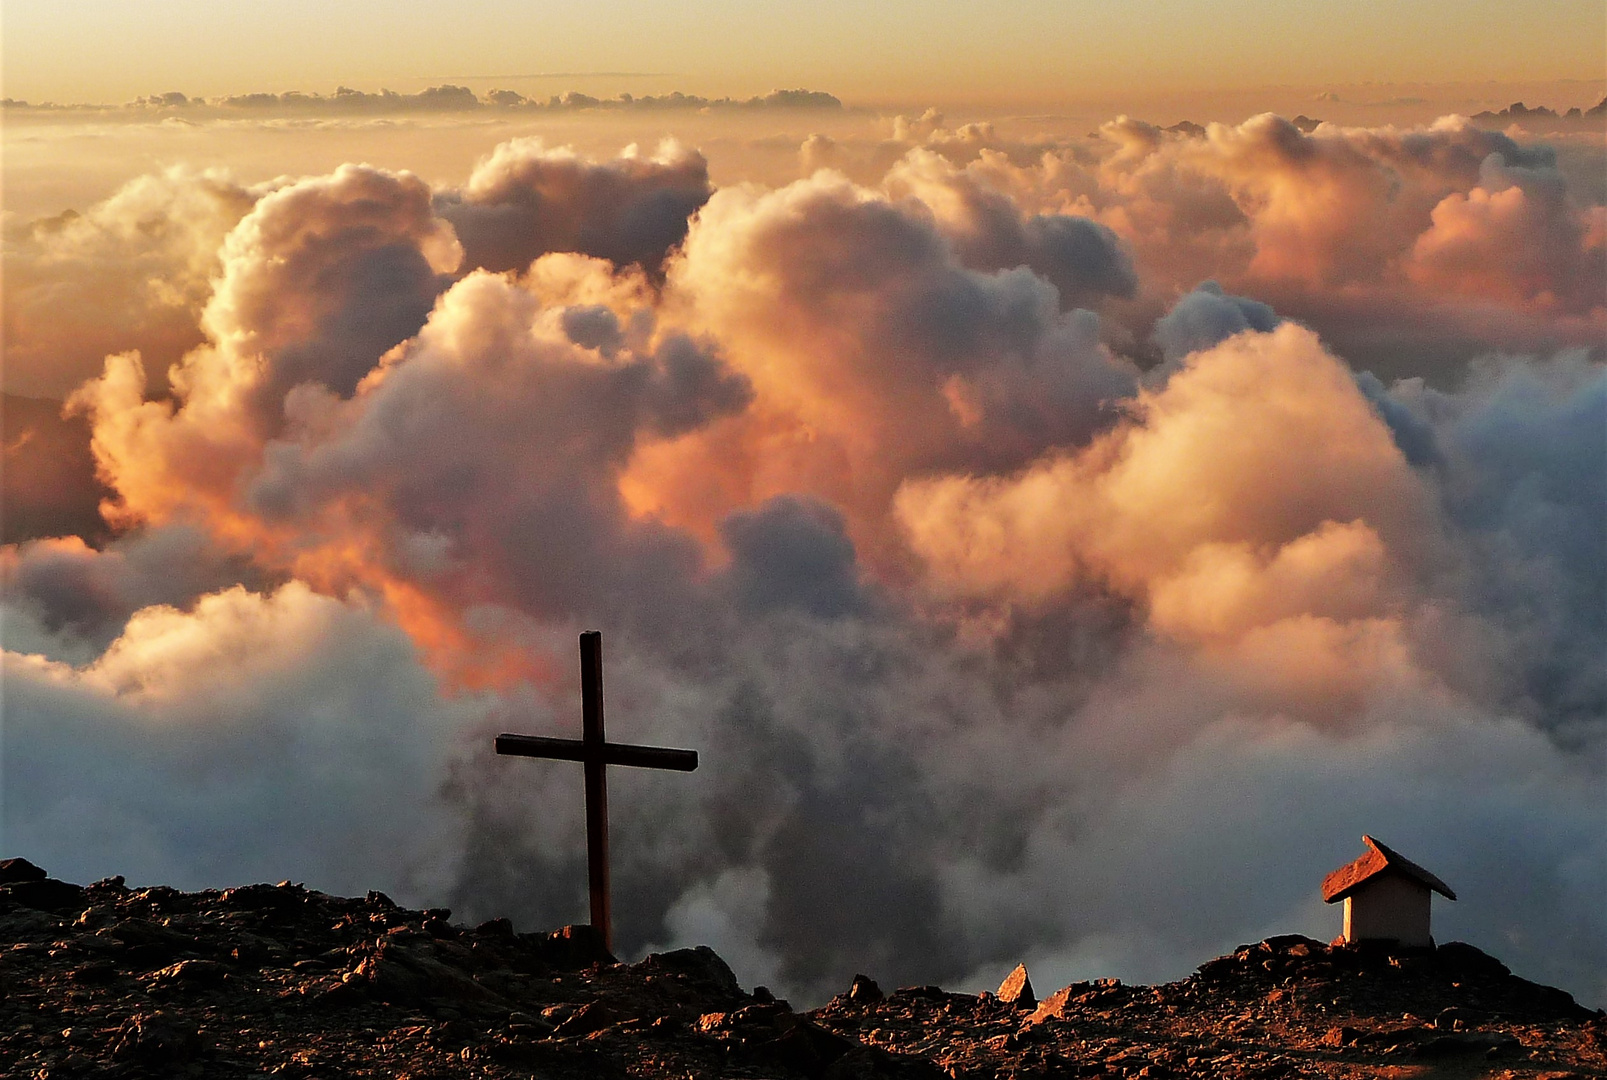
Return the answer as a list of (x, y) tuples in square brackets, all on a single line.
[(1379, 859)]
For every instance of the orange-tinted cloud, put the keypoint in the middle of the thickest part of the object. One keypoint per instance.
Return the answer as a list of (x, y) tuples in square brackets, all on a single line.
[(1392, 242), (132, 272), (966, 565), (874, 352), (1255, 504), (1516, 239)]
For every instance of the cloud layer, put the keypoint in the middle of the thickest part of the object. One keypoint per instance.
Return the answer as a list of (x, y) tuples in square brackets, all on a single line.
[(1015, 535)]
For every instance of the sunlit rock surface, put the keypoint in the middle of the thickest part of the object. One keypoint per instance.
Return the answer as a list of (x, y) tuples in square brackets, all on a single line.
[(283, 981)]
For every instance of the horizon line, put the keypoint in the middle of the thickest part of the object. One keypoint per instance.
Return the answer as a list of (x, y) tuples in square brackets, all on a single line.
[(566, 75)]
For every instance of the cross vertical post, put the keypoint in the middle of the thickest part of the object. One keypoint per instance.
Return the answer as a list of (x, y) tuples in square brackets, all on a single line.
[(591, 714)]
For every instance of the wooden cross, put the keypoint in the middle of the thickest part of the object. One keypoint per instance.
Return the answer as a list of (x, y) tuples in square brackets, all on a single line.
[(594, 753)]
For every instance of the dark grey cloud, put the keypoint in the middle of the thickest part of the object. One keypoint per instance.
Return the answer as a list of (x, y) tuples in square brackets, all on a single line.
[(792, 553), (68, 600), (1206, 316), (526, 200), (1522, 457), (1083, 259)]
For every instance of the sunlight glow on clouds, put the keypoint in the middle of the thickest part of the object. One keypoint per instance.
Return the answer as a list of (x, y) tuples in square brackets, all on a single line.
[(1010, 522)]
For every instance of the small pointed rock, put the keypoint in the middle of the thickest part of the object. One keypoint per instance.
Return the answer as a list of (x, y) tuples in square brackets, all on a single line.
[(1017, 989)]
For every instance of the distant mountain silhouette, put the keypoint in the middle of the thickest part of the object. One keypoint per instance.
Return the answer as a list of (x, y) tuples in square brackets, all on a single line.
[(446, 98), (1518, 111)]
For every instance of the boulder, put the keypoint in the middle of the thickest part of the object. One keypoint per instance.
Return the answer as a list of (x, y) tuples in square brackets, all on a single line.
[(19, 870), (157, 1037), (1058, 1002), (864, 990), (701, 966), (400, 976), (45, 894), (574, 947), (1017, 989), (593, 1016)]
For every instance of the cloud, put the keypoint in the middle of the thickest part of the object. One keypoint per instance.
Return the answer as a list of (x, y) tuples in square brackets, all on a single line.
[(1207, 316), (1515, 238), (792, 553), (1081, 258), (1518, 451), (1404, 247), (48, 473), (132, 272), (257, 737), (446, 98), (525, 200), (539, 529), (999, 641), (873, 350), (320, 279), (1256, 444), (69, 601)]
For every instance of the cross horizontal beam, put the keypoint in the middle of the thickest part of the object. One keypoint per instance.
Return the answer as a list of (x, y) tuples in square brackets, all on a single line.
[(642, 757)]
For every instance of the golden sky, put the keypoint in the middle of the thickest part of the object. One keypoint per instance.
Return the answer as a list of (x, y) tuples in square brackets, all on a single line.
[(1017, 52)]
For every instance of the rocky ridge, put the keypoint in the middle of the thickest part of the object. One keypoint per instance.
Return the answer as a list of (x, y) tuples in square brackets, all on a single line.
[(280, 980)]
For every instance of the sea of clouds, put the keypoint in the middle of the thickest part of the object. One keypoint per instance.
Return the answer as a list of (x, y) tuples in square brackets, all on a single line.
[(1057, 552)]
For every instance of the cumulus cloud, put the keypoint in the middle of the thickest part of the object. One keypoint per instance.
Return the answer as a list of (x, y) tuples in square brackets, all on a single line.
[(525, 200), (68, 601), (131, 272), (540, 527), (1206, 316), (874, 351), (1256, 507), (792, 553), (996, 644), (540, 405), (1519, 453), (319, 279), (1515, 237), (1081, 258), (1402, 246), (256, 737)]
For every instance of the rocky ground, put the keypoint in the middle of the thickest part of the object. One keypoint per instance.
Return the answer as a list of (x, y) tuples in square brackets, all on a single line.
[(277, 980)]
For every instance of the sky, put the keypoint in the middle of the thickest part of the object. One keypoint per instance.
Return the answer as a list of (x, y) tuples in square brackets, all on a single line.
[(1068, 486), (944, 52)]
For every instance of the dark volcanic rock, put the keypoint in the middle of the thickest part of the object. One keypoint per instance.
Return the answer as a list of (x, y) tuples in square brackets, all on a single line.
[(864, 990), (700, 967), (279, 980), (157, 1038), (1287, 1007), (14, 870), (44, 894)]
